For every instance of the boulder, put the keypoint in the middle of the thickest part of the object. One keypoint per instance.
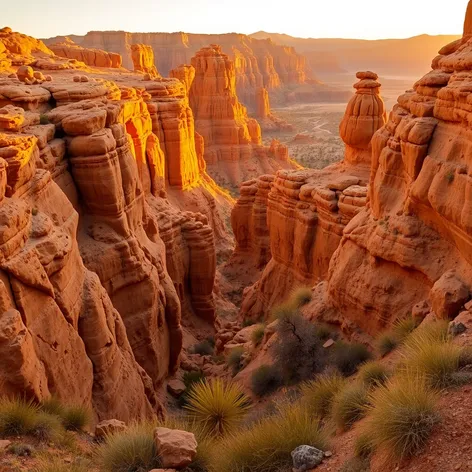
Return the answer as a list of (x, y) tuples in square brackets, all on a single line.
[(176, 448), (306, 458), (108, 427), (448, 295), (175, 387)]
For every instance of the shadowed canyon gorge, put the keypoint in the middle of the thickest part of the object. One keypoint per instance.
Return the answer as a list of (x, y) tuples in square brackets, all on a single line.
[(155, 213)]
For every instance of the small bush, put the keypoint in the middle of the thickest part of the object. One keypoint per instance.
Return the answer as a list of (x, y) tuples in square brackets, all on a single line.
[(347, 357), (192, 377), (386, 343), (248, 322), (301, 297), (76, 417), (258, 334), (323, 331), (234, 360), (402, 415), (363, 446), (133, 450), (373, 374), (298, 350), (401, 329), (21, 449), (43, 119), (265, 380), (53, 406), (349, 405), (203, 348), (266, 446), (46, 427), (17, 416), (217, 406), (318, 395), (437, 331)]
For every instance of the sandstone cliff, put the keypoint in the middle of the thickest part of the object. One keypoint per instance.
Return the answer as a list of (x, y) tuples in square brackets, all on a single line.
[(233, 144), (298, 218), (143, 59)]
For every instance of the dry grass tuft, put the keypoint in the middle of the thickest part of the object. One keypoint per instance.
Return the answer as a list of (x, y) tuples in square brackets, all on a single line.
[(350, 405)]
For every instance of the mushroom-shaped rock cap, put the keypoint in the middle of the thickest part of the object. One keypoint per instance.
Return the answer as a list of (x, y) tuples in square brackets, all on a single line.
[(367, 75), (468, 21)]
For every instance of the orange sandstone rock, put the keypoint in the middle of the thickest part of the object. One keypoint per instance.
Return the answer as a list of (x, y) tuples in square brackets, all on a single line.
[(143, 59)]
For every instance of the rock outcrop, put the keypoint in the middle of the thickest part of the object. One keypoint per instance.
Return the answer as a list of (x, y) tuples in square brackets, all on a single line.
[(298, 219), (90, 57), (143, 59), (233, 144), (267, 120)]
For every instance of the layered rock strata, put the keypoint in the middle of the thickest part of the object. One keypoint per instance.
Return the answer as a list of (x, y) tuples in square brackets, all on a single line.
[(143, 59)]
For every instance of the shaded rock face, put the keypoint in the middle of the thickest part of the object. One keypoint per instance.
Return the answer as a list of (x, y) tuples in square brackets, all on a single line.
[(413, 242), (296, 220), (143, 59), (90, 57), (110, 224), (258, 62), (233, 144)]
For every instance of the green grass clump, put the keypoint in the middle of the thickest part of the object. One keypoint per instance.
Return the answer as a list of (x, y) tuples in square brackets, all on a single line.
[(318, 394), (133, 450), (350, 405), (402, 416), (386, 343), (217, 406), (17, 416), (192, 377), (47, 427), (363, 446), (53, 406), (76, 417), (373, 373), (204, 348), (265, 380), (402, 328), (348, 356), (301, 297), (266, 446), (234, 359), (43, 119), (258, 334), (22, 450)]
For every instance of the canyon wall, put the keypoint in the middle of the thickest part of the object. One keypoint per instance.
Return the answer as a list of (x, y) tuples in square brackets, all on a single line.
[(298, 218), (233, 143), (110, 230)]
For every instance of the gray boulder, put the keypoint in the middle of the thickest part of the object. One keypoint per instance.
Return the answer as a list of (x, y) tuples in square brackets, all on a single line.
[(306, 458)]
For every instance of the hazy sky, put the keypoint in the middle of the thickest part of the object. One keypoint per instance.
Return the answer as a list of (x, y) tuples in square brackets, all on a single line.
[(305, 18)]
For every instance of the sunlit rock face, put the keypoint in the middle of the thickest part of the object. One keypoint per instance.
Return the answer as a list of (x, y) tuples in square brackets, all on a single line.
[(298, 217)]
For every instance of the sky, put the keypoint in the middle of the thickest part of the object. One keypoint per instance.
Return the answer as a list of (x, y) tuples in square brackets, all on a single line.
[(303, 18)]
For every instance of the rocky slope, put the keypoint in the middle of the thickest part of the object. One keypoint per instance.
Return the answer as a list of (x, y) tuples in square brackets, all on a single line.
[(297, 218), (110, 230)]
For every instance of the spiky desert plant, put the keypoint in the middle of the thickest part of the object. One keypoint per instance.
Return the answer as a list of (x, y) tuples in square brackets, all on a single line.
[(350, 405), (76, 417), (363, 445), (258, 334), (402, 328), (217, 405), (402, 415), (53, 406), (266, 445), (133, 450), (318, 394), (17, 416), (373, 373)]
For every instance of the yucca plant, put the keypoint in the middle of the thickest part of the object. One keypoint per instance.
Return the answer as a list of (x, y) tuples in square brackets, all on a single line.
[(373, 373), (133, 450), (402, 415), (266, 445), (350, 405), (217, 405), (318, 394)]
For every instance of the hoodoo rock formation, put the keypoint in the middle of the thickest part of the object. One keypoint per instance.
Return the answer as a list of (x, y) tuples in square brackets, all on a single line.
[(233, 144), (110, 230), (267, 120), (143, 59), (298, 217)]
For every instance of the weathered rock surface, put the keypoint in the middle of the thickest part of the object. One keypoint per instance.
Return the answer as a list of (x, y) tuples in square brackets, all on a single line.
[(306, 458), (143, 59), (176, 448), (109, 427)]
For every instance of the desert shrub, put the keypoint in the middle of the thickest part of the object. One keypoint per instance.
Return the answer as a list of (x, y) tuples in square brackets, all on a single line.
[(258, 334), (21, 449), (234, 359), (266, 446), (17, 416), (204, 348), (265, 380), (348, 356), (301, 297), (192, 377), (217, 406), (363, 445), (76, 417), (386, 343), (46, 427), (402, 415), (248, 322), (43, 119), (355, 464), (349, 405), (402, 328), (465, 358), (373, 373), (298, 350), (52, 406), (429, 352), (323, 331), (133, 450), (318, 394)]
